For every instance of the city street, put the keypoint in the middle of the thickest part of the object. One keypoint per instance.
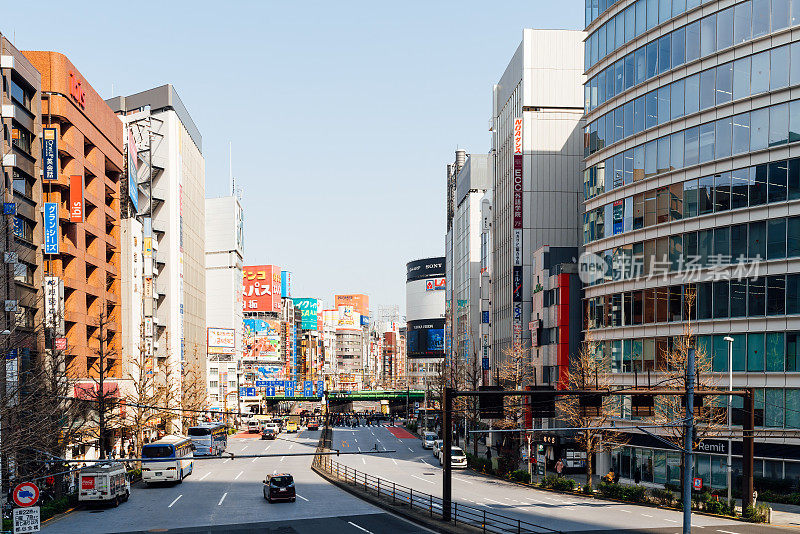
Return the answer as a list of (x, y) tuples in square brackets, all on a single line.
[(227, 494), (417, 468)]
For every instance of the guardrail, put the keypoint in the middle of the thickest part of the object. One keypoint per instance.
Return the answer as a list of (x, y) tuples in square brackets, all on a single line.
[(486, 521)]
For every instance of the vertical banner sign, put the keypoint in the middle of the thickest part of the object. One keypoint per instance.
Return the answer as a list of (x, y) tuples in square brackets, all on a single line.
[(51, 228), (49, 154), (76, 198), (517, 179), (133, 187)]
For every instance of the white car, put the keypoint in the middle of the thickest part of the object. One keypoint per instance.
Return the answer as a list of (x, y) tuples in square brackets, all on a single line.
[(427, 440), (458, 460), (437, 447)]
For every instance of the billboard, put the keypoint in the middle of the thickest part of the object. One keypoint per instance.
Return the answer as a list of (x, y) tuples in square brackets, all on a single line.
[(435, 284), (425, 339), (49, 154), (76, 198), (347, 318), (308, 308), (425, 268), (359, 302), (261, 286), (133, 187), (262, 340), (221, 340), (50, 228), (286, 284)]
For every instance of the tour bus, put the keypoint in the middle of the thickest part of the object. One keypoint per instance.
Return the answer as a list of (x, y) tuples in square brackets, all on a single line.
[(209, 439), (171, 459)]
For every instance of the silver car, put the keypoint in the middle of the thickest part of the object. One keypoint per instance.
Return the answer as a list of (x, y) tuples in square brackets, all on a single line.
[(427, 440)]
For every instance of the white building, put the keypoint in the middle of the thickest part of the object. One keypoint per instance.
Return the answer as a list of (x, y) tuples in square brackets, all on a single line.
[(224, 302), (171, 210), (537, 132)]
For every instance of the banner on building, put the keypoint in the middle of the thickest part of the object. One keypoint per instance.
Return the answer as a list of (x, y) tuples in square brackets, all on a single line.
[(221, 340), (309, 308), (54, 304), (261, 288), (133, 187), (286, 284), (76, 201), (49, 154), (51, 228), (262, 340)]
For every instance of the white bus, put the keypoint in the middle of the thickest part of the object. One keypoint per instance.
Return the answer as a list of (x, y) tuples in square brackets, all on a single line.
[(168, 459), (210, 439)]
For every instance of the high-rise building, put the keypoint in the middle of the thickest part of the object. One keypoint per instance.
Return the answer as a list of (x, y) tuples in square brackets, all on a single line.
[(452, 173), (165, 192), (692, 181), (425, 316), (536, 127), (224, 242)]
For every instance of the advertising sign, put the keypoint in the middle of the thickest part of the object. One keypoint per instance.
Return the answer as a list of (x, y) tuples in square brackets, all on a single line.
[(308, 388), (427, 268), (49, 154), (286, 284), (364, 320), (359, 302), (262, 288), (346, 319), (517, 246), (133, 186), (9, 208), (51, 228), (54, 304), (76, 198), (262, 340), (516, 283), (518, 136), (221, 340), (618, 215), (435, 284), (425, 339), (308, 308)]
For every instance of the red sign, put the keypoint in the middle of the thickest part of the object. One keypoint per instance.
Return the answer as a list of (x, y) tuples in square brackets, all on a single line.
[(26, 494), (517, 190), (61, 343), (76, 89), (76, 198), (261, 288), (697, 484), (87, 483)]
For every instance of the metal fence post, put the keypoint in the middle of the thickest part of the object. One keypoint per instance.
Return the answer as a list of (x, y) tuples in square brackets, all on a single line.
[(484, 521), (430, 506), (519, 527), (411, 498), (393, 492), (379, 486)]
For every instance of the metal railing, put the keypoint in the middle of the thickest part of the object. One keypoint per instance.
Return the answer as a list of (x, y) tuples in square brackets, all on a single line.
[(486, 521)]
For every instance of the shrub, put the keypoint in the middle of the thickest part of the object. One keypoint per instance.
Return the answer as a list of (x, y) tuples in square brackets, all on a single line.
[(558, 483), (520, 475), (479, 463), (623, 492), (587, 489), (664, 497), (412, 426), (757, 514), (56, 506)]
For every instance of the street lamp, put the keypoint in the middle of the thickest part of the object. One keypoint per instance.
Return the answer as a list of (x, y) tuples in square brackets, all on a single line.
[(729, 339)]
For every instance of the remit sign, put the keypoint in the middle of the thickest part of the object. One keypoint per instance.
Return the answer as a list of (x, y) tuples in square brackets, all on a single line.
[(76, 89)]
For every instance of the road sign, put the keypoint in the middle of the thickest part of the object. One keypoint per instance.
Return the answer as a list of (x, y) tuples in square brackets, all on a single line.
[(289, 391), (26, 494), (26, 520), (270, 391), (261, 384), (60, 343), (697, 483), (308, 388)]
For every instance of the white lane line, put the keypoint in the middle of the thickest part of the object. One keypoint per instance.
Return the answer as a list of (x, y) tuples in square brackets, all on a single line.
[(204, 476), (268, 446), (237, 476), (282, 457), (254, 460), (290, 446), (724, 531), (488, 499), (222, 499), (671, 520), (424, 462), (412, 450), (359, 449), (626, 511), (360, 528), (301, 497), (425, 480), (243, 448), (176, 500), (226, 461), (395, 462), (363, 460), (645, 515)]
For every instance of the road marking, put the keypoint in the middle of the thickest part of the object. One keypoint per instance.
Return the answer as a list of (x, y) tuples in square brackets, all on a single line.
[(282, 457), (725, 531), (424, 480), (670, 520), (359, 449), (355, 439), (237, 476), (626, 511), (290, 446), (268, 446), (424, 462), (360, 528), (222, 499), (395, 462), (204, 476), (176, 500), (226, 461), (412, 450), (488, 499), (243, 448), (254, 459), (647, 515), (364, 460), (301, 497)]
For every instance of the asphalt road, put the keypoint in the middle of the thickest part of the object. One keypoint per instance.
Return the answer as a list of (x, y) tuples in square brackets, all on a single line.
[(226, 496), (417, 468)]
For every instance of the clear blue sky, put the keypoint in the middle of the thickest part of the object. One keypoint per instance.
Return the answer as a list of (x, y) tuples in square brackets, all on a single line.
[(342, 115)]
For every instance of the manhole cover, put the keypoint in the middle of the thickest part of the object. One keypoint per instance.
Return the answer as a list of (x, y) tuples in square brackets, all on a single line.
[(96, 511), (431, 474)]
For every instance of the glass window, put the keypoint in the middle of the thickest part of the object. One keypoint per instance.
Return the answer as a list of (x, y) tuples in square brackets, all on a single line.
[(755, 301), (773, 417), (692, 98), (741, 78), (663, 154), (652, 59), (691, 146), (629, 23), (630, 72), (794, 55), (760, 17), (739, 244), (792, 294), (693, 41), (722, 142), (759, 73), (707, 142), (704, 300), (720, 299), (724, 83), (777, 180), (628, 119), (740, 182), (651, 107), (676, 99), (650, 159), (640, 64), (705, 195), (756, 242), (619, 77), (780, 14), (601, 36), (794, 118), (719, 355), (676, 151), (792, 421), (619, 124), (663, 104), (689, 199), (725, 28), (776, 238), (664, 53), (619, 39), (779, 67), (707, 89), (708, 35), (776, 296), (678, 47), (738, 289), (20, 93), (779, 124), (793, 237), (638, 115), (741, 22), (759, 129), (722, 192), (755, 352)]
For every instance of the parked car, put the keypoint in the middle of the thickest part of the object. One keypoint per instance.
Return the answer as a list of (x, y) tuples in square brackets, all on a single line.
[(268, 433), (428, 439), (458, 460), (105, 482), (437, 447), (279, 487)]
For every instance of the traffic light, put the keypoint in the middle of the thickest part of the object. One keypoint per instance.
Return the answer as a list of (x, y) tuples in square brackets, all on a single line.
[(543, 403), (491, 405)]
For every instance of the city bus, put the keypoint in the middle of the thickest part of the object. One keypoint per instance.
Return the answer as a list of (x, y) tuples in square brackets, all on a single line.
[(209, 439), (168, 459)]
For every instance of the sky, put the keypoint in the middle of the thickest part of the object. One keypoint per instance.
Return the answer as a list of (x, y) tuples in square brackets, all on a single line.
[(342, 116)]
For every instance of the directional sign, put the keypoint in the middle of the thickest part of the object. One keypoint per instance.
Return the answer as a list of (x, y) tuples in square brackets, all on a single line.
[(270, 391), (26, 520), (308, 388), (261, 384), (26, 494), (289, 391), (320, 387)]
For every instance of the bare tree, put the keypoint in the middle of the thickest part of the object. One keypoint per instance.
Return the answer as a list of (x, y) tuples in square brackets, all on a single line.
[(142, 396), (193, 393), (514, 373)]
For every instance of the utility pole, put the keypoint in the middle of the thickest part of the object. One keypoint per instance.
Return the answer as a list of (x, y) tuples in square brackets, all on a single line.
[(687, 443)]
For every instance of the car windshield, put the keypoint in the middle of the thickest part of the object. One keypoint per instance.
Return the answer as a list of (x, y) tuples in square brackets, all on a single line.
[(281, 481), (157, 451), (430, 435), (456, 452)]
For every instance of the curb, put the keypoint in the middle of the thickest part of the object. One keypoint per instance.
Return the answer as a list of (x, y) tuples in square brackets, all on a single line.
[(62, 514)]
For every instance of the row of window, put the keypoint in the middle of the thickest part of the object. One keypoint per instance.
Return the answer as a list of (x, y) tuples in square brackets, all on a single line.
[(755, 297), (757, 185), (732, 26), (766, 71)]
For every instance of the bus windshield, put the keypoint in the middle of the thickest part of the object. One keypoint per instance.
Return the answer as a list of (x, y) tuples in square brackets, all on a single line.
[(199, 431), (157, 451)]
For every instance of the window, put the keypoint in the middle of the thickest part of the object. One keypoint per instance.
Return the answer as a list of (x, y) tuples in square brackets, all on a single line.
[(779, 67), (793, 237), (776, 235), (692, 98), (776, 295), (707, 89), (720, 289), (708, 38), (741, 78), (792, 347), (755, 297), (738, 298), (678, 46), (676, 151), (756, 247), (21, 138), (664, 53), (779, 124), (740, 182), (759, 73), (690, 198), (741, 133), (722, 138), (21, 93), (758, 185), (676, 99), (691, 146), (23, 228), (725, 28), (24, 273), (651, 109), (23, 184), (741, 22), (663, 104), (773, 417), (777, 191), (755, 352), (760, 17), (794, 115), (693, 41), (780, 14), (724, 84)]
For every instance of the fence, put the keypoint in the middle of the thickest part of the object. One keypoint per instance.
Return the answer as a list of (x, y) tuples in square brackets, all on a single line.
[(462, 514)]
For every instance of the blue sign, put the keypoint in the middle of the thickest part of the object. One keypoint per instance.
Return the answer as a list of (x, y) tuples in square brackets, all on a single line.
[(308, 388), (485, 364), (270, 391), (261, 383), (9, 208), (289, 391), (485, 317), (320, 387), (242, 391), (365, 320), (49, 154), (51, 228), (12, 354), (247, 392)]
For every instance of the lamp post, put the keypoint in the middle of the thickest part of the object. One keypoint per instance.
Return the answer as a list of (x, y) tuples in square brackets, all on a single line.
[(729, 339)]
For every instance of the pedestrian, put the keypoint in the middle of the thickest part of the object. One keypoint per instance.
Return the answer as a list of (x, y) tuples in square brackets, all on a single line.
[(489, 453)]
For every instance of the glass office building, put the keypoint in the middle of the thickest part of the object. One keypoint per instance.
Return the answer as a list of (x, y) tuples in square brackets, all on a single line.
[(692, 185)]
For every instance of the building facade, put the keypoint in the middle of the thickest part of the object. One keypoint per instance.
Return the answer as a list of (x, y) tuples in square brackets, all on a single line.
[(425, 320), (692, 183), (536, 129)]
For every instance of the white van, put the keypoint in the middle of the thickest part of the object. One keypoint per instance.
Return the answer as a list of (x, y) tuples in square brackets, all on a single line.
[(254, 425), (106, 482)]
